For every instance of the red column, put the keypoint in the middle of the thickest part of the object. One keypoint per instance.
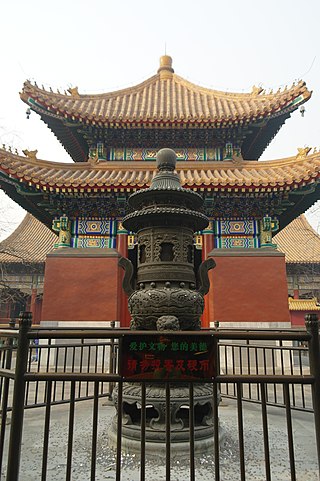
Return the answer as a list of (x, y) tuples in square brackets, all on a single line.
[(207, 246), (122, 248), (38, 308), (33, 303)]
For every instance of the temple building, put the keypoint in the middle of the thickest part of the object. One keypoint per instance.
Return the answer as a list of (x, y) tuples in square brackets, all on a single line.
[(113, 139)]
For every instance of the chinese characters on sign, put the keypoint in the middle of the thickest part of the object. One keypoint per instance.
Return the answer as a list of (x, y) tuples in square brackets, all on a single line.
[(168, 357)]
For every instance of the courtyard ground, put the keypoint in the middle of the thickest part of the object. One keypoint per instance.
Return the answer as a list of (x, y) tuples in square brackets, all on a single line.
[(304, 441)]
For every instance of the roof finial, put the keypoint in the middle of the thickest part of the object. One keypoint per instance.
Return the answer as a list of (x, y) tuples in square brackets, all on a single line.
[(165, 70)]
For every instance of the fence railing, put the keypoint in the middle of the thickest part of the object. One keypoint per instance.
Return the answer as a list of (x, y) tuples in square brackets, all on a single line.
[(241, 357), (48, 367), (267, 358)]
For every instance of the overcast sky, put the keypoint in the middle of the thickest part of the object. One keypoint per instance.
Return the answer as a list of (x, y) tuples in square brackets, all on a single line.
[(104, 45)]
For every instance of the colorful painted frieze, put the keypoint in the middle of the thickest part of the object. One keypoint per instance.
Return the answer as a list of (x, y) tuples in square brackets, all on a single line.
[(236, 227), (192, 154), (233, 242), (100, 242), (238, 233), (92, 226)]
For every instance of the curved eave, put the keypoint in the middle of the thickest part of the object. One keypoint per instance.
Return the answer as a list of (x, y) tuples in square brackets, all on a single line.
[(29, 203), (256, 143), (253, 176), (69, 138), (301, 201), (170, 101), (66, 128)]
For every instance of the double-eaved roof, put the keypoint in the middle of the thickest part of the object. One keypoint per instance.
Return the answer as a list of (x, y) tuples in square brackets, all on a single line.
[(164, 103), (165, 100)]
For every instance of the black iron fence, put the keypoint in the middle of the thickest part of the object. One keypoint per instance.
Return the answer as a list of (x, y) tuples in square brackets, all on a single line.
[(45, 368), (268, 358)]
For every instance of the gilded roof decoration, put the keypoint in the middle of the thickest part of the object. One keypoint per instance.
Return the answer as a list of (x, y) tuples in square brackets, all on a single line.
[(303, 152), (267, 176), (299, 242), (166, 98), (31, 154)]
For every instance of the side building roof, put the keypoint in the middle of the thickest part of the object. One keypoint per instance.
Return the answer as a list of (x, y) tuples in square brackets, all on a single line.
[(304, 304), (29, 243), (299, 242)]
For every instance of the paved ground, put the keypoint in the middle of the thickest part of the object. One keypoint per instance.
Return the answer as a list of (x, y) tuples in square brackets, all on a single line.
[(304, 440)]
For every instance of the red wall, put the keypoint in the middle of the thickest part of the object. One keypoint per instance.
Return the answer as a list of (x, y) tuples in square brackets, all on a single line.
[(85, 285), (249, 286), (81, 285)]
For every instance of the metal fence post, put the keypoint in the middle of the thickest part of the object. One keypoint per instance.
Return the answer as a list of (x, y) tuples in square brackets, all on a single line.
[(18, 398), (112, 360), (312, 325), (5, 393)]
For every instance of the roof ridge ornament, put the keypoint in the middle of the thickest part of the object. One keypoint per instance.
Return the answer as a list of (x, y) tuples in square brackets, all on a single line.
[(30, 154), (74, 92), (257, 90), (302, 152)]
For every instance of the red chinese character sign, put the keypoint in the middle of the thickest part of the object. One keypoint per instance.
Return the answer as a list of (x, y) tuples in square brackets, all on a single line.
[(168, 357)]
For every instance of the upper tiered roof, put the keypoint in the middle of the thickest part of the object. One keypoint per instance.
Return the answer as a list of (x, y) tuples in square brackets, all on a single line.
[(161, 102)]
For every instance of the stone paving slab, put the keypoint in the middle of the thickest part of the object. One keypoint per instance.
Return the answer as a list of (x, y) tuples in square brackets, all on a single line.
[(303, 431)]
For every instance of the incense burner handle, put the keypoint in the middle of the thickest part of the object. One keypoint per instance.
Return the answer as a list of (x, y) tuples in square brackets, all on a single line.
[(202, 275), (127, 266)]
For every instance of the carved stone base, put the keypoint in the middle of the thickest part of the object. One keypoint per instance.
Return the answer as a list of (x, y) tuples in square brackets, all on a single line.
[(156, 416), (158, 449)]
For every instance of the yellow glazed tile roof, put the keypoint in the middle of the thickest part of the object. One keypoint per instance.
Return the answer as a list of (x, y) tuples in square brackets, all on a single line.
[(166, 98), (273, 175), (299, 242), (303, 304), (29, 243)]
